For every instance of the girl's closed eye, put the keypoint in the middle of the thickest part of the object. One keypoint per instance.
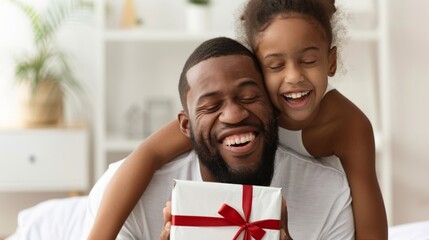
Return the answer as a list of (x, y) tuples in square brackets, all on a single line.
[(274, 67), (309, 62)]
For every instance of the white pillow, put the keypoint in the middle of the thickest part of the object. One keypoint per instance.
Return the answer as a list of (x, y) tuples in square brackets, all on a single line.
[(414, 231), (52, 219)]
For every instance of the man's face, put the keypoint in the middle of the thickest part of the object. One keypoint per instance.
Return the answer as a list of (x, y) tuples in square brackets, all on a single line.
[(230, 121)]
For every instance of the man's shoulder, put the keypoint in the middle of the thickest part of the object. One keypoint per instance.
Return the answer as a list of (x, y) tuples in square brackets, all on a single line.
[(314, 186), (185, 160)]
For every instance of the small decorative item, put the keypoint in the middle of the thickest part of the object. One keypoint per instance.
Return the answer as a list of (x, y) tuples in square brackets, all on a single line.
[(134, 122), (198, 15), (129, 15), (158, 113)]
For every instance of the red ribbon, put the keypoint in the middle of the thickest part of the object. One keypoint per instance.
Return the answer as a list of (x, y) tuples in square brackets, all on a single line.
[(232, 218)]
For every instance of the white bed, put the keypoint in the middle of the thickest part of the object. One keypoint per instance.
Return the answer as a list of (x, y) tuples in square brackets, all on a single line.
[(56, 219), (63, 219)]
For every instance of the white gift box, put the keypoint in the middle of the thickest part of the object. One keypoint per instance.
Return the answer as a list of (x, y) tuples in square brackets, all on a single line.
[(196, 205)]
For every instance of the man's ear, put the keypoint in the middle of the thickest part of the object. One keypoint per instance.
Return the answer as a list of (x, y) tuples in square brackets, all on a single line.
[(184, 123), (332, 60)]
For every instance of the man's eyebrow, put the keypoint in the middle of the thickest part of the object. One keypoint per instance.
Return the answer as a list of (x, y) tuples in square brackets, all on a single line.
[(248, 82), (243, 83), (207, 95)]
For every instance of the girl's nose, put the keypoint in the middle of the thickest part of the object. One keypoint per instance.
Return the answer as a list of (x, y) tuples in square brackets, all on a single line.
[(293, 75)]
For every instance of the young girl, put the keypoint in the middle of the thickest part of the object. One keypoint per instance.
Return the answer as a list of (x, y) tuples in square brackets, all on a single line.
[(293, 40)]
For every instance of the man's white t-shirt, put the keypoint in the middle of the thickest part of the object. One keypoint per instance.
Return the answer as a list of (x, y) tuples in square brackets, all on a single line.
[(317, 197)]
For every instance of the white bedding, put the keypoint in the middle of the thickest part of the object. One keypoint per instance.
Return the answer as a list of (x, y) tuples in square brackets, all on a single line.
[(62, 219), (411, 231), (56, 219)]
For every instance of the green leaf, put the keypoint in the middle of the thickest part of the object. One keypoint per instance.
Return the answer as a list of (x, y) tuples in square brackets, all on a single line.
[(200, 2)]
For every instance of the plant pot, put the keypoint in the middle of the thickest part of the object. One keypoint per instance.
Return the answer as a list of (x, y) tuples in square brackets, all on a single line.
[(197, 18), (42, 106)]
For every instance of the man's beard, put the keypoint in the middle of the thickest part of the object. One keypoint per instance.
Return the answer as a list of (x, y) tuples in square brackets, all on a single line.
[(261, 175)]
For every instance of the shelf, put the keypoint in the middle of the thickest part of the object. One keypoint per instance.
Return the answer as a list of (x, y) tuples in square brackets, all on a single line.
[(55, 127), (159, 36), (123, 35)]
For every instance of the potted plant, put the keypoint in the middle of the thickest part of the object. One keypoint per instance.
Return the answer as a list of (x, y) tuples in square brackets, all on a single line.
[(200, 2), (44, 74), (197, 15)]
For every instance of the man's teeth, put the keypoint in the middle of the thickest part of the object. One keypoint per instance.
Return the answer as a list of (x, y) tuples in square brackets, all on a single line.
[(296, 95), (238, 139)]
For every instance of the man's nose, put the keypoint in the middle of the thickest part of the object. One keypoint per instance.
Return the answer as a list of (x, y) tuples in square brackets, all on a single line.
[(293, 74), (233, 113)]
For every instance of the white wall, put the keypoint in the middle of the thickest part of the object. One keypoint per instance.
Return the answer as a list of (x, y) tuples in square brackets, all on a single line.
[(410, 109)]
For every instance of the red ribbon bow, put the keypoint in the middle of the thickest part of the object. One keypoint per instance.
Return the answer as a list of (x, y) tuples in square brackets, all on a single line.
[(232, 218)]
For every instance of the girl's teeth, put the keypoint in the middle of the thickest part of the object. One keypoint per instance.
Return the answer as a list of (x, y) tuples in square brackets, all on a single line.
[(297, 94)]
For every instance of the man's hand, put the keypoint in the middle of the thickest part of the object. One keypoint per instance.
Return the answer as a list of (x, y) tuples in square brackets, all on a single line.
[(166, 212), (284, 231), (165, 234)]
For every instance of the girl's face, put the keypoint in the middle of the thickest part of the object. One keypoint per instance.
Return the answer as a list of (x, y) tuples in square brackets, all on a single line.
[(296, 61)]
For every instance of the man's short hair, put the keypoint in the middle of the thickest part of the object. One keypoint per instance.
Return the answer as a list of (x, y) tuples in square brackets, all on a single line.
[(216, 47)]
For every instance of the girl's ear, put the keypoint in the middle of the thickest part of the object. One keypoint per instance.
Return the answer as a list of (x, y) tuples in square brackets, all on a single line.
[(332, 61), (184, 123)]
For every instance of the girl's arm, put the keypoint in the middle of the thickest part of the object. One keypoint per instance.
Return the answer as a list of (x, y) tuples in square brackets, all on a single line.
[(131, 179), (356, 149)]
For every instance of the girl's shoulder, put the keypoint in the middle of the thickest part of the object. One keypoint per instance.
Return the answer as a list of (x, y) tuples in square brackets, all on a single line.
[(339, 120), (347, 122), (337, 108)]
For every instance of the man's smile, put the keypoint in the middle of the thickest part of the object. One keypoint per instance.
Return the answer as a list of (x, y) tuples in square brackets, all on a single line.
[(241, 143), (239, 139)]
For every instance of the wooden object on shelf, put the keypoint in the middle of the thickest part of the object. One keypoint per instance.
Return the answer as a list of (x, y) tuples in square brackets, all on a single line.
[(129, 15)]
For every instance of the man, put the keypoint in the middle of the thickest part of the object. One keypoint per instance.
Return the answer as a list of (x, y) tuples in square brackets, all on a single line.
[(231, 122)]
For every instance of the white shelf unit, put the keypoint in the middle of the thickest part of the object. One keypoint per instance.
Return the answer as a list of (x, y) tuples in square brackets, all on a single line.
[(108, 140)]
